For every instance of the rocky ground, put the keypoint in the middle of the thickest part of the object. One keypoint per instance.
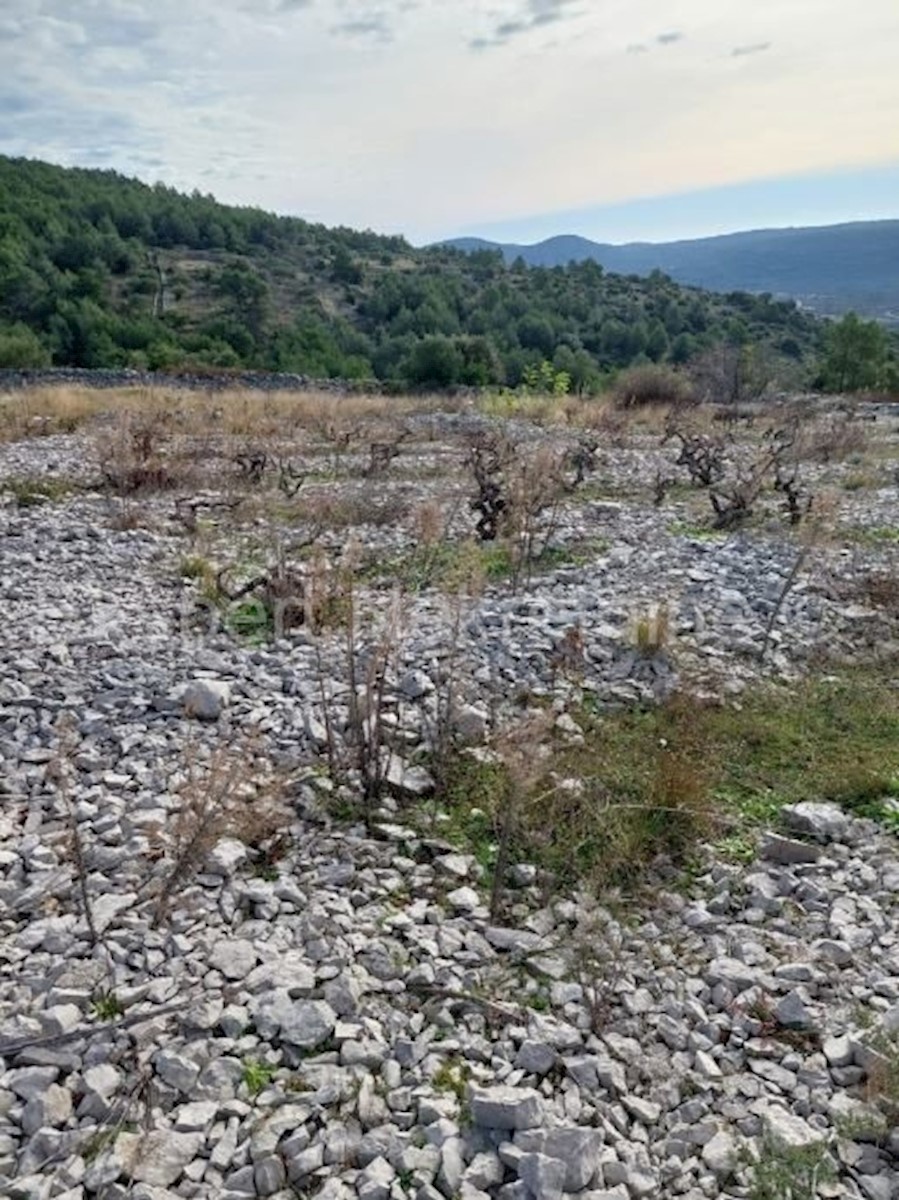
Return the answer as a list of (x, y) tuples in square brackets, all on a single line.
[(346, 1018)]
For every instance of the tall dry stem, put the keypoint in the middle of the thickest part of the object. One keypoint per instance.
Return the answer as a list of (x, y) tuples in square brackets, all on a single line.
[(59, 771)]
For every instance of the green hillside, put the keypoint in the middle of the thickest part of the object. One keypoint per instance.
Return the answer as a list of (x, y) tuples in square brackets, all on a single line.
[(829, 269), (97, 270)]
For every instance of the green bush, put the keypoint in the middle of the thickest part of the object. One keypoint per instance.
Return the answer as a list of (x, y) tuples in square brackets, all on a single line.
[(21, 349)]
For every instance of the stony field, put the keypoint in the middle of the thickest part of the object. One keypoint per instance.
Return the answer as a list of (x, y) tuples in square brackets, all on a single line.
[(403, 799)]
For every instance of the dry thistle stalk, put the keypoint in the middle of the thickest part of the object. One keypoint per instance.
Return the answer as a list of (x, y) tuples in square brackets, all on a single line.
[(224, 797), (568, 654), (428, 523), (368, 665), (522, 749), (59, 771), (596, 951)]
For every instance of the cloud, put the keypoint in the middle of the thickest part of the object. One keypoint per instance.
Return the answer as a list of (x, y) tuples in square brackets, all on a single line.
[(375, 26), (547, 12), (77, 135), (753, 48), (436, 137), (14, 103), (661, 39), (532, 14)]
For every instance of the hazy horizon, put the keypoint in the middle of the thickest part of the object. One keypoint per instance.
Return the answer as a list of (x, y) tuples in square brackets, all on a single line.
[(790, 203)]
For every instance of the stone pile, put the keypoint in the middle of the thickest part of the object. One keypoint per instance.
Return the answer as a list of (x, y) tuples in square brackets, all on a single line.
[(348, 1020)]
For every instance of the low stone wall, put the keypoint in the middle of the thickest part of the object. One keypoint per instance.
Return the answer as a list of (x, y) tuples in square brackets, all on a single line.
[(215, 381)]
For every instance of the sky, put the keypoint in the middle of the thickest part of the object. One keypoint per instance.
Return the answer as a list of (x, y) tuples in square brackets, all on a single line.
[(513, 119)]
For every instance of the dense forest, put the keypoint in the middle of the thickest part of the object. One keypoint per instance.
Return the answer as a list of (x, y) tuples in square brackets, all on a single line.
[(97, 270)]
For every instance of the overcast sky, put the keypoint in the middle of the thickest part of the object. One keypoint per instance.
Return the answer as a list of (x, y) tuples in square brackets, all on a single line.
[(612, 118)]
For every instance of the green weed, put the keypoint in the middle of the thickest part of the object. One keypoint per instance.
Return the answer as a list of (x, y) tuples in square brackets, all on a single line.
[(876, 535), (251, 620), (441, 565), (697, 532), (32, 492), (790, 1173), (665, 780), (106, 1006), (452, 1076), (257, 1075)]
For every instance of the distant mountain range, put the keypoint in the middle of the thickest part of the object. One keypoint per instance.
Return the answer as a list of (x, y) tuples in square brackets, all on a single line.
[(829, 269)]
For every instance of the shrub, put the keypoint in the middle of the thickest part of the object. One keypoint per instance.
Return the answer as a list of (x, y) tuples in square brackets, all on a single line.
[(652, 384), (21, 348), (135, 455)]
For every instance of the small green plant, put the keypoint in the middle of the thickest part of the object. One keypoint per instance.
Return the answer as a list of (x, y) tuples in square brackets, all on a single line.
[(877, 534), (736, 847), (250, 620), (106, 1005), (863, 1017), (864, 1124), (790, 1173), (471, 791), (695, 531), (30, 493), (452, 1076), (539, 1000), (257, 1075)]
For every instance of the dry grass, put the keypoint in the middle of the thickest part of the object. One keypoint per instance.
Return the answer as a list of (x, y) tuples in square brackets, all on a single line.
[(650, 630), (835, 438), (368, 504), (539, 408), (239, 413), (38, 412)]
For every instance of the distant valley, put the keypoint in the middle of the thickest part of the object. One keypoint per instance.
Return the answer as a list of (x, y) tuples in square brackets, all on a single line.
[(828, 269)]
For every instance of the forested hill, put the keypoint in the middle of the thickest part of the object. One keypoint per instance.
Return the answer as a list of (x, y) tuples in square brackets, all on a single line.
[(98, 270), (829, 268)]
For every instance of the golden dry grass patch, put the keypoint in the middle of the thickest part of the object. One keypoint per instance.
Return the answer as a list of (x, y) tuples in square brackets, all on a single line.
[(238, 412)]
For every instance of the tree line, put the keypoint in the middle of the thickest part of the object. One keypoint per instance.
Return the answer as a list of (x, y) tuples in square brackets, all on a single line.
[(97, 270)]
